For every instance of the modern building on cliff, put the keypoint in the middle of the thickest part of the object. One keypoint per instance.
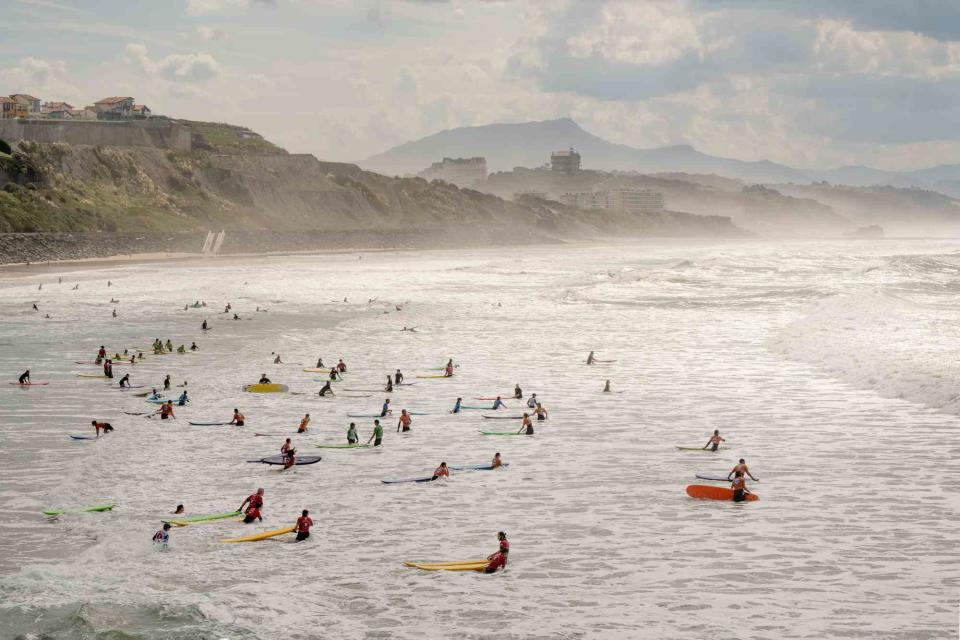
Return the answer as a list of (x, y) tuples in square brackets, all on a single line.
[(463, 172), (566, 162), (629, 200), (114, 108)]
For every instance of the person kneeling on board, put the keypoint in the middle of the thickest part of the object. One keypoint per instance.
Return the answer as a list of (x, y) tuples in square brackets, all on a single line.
[(303, 526), (441, 472), (106, 427), (498, 560)]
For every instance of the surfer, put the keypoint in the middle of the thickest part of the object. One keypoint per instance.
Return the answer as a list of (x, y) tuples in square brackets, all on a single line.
[(498, 560), (334, 374), (448, 370), (341, 366), (264, 379), (125, 380), (377, 434), (108, 368), (327, 389), (254, 500), (166, 410), (714, 441), (169, 346), (114, 313), (389, 387), (303, 423), (456, 407), (517, 392), (526, 427), (166, 383), (162, 537), (398, 377), (102, 353), (289, 458), (252, 513), (739, 486), (320, 363), (404, 421), (193, 346), (498, 403), (590, 358), (303, 526), (741, 469), (441, 471), (352, 434), (181, 349), (286, 448), (179, 510), (35, 308), (606, 387), (541, 412), (106, 427), (204, 327), (277, 360), (25, 377), (533, 402), (496, 463), (238, 419), (385, 409)]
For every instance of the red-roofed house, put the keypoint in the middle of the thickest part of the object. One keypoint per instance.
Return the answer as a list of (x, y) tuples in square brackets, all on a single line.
[(114, 108), (31, 105), (141, 110), (8, 107)]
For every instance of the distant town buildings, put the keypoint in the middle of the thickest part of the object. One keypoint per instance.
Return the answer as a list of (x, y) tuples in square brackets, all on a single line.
[(463, 172), (22, 105), (566, 162), (629, 200)]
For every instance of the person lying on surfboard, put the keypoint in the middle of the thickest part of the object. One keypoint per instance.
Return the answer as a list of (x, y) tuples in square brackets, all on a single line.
[(714, 441), (237, 419), (352, 434), (25, 377), (526, 427), (741, 468), (498, 560), (441, 471)]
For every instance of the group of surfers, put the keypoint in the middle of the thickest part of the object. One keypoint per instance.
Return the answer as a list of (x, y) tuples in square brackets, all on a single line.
[(736, 477)]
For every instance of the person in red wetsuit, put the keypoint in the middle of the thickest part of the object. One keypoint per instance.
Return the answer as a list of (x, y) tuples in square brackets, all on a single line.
[(289, 458), (253, 500), (303, 526), (252, 513), (106, 427), (341, 366), (499, 559)]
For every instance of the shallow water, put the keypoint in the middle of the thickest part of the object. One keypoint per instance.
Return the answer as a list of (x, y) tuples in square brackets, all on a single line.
[(831, 366)]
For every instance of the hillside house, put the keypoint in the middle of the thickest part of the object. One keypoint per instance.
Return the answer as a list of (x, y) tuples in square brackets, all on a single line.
[(28, 105), (141, 111), (114, 108), (7, 107)]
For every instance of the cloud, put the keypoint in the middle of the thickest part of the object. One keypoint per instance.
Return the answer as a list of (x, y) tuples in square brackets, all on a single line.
[(211, 33), (187, 67), (206, 7)]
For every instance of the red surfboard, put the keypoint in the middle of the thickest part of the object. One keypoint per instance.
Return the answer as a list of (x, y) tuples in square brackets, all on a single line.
[(705, 492)]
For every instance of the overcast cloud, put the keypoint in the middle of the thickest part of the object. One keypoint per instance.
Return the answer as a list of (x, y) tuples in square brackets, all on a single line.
[(814, 83)]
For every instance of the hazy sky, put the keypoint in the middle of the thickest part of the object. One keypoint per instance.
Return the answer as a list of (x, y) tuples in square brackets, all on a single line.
[(805, 82)]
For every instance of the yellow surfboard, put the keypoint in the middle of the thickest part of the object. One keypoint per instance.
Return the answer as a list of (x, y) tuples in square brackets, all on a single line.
[(457, 565), (265, 388), (261, 536)]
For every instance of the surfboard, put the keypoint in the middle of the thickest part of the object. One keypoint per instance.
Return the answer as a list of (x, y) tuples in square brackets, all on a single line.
[(722, 447), (316, 370), (261, 536), (715, 478), (503, 396), (265, 388), (208, 424), (503, 417), (424, 479), (95, 508), (368, 415), (84, 437), (707, 492), (91, 375), (502, 433), (278, 459), (210, 517), (461, 565), (38, 383), (477, 408), (133, 386), (474, 467)]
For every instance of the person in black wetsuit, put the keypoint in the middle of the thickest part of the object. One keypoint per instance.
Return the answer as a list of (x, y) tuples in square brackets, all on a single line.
[(125, 380), (517, 392), (398, 377), (326, 389), (389, 387), (25, 377)]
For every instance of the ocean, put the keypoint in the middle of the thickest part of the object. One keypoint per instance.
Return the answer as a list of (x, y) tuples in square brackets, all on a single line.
[(832, 367)]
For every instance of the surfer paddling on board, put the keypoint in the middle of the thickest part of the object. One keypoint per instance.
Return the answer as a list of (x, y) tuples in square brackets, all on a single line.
[(741, 469), (303, 526), (498, 560), (714, 442), (25, 377)]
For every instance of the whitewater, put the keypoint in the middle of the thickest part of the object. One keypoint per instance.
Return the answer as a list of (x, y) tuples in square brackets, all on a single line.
[(832, 367)]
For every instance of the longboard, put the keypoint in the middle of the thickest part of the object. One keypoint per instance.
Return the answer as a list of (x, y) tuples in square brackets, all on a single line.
[(706, 492), (261, 536)]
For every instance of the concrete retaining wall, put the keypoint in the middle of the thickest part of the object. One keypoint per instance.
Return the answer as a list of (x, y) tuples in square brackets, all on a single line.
[(159, 133)]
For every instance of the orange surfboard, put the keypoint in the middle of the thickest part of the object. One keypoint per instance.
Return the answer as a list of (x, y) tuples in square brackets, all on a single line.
[(705, 492)]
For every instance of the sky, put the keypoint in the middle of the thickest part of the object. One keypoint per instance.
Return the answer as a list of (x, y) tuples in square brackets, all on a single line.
[(809, 83)]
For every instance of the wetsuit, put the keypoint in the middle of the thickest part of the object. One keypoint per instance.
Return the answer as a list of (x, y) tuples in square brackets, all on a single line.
[(303, 527), (397, 378), (253, 513), (499, 559), (326, 389), (25, 377), (739, 487), (125, 380), (352, 435)]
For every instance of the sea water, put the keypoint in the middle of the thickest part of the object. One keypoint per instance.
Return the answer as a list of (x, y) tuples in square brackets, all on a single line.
[(832, 367)]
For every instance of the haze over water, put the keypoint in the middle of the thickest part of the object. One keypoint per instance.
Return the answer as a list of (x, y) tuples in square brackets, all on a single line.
[(830, 366)]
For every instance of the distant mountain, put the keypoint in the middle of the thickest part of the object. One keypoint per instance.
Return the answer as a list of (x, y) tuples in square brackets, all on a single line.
[(529, 144)]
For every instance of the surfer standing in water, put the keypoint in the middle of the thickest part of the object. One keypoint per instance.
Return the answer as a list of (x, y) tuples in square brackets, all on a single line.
[(498, 560), (253, 500), (448, 371), (590, 359), (303, 423), (526, 427), (517, 392), (327, 389), (741, 469), (441, 472), (404, 421), (238, 419), (303, 526), (739, 486), (714, 441), (377, 435)]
